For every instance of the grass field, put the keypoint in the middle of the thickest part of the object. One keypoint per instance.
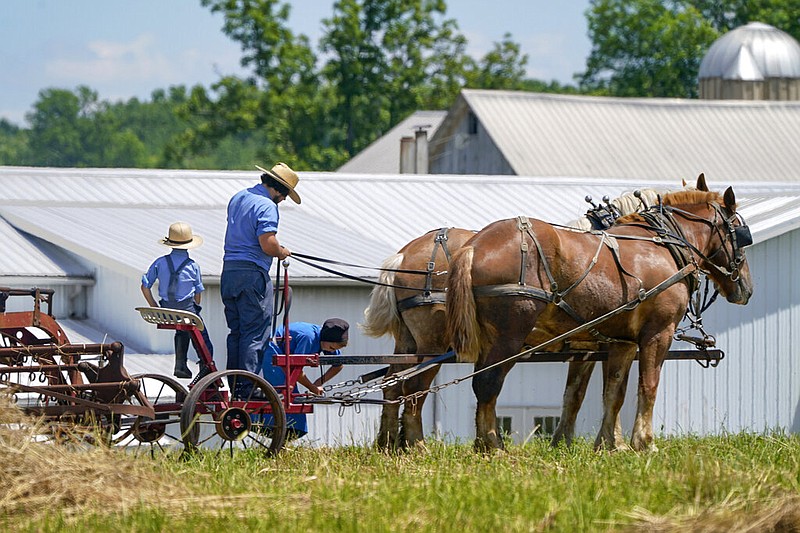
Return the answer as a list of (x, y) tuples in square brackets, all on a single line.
[(738, 482)]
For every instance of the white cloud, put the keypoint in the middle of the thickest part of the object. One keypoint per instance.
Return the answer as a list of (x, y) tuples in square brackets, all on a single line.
[(139, 66), (113, 62)]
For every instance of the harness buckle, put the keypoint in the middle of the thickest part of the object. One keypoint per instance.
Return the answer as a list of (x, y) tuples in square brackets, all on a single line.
[(431, 266)]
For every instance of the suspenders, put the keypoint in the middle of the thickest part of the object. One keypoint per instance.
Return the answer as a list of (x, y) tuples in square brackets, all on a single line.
[(172, 289)]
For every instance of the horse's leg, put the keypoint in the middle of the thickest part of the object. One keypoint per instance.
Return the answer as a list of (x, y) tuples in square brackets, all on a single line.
[(507, 325), (578, 378), (411, 420), (619, 439), (615, 374), (426, 324), (487, 386), (651, 358), (388, 432)]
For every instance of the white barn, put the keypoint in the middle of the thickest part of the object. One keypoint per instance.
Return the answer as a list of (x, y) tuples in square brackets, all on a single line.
[(90, 233)]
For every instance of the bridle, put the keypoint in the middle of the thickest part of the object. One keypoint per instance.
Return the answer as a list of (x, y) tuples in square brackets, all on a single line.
[(738, 236)]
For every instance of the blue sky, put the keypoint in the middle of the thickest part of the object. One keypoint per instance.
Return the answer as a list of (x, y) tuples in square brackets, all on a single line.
[(128, 48)]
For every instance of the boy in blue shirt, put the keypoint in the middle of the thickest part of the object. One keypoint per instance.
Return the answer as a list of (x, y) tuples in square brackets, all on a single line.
[(180, 285), (306, 338)]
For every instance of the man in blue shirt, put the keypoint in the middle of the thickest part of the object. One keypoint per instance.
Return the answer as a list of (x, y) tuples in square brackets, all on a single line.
[(250, 244), (306, 338), (180, 285)]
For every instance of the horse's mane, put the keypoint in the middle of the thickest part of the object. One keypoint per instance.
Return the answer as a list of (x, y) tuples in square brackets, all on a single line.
[(682, 197), (627, 203)]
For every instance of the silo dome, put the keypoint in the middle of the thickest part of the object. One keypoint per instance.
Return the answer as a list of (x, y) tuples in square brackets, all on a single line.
[(749, 62)]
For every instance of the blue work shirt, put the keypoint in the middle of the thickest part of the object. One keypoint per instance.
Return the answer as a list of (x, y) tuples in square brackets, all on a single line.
[(251, 213), (305, 340), (190, 280)]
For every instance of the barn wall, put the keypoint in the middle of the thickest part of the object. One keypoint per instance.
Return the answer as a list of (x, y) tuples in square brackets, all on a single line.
[(464, 152)]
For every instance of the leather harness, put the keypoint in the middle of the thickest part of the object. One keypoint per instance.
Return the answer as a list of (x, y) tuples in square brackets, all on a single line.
[(669, 235), (429, 295)]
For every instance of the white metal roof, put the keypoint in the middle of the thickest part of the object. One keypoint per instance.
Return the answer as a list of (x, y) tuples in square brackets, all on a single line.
[(30, 258), (755, 51), (354, 218), (634, 138), (383, 155)]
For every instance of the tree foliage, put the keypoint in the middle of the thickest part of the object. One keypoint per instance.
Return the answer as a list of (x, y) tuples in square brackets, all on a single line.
[(378, 62), (654, 47)]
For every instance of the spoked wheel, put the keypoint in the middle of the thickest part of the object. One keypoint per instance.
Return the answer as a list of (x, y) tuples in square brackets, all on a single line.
[(249, 414), (162, 434)]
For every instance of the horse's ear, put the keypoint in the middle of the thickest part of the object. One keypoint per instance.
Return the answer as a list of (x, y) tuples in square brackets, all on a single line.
[(730, 198), (701, 182), (683, 183)]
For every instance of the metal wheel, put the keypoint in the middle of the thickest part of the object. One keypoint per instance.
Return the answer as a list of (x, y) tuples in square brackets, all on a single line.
[(162, 434), (254, 418)]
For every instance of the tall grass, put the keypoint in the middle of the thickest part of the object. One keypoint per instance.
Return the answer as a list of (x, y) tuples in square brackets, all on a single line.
[(732, 483)]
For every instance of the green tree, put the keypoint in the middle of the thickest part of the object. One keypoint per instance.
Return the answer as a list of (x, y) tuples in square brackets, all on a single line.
[(727, 15), (380, 57), (645, 48), (502, 68), (76, 129), (282, 105), (57, 126), (13, 144), (382, 61), (153, 124)]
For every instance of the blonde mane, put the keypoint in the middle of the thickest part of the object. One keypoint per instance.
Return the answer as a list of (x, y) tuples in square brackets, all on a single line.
[(682, 197), (627, 203)]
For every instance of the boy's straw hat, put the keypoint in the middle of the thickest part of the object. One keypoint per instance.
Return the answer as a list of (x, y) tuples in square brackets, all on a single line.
[(181, 237)]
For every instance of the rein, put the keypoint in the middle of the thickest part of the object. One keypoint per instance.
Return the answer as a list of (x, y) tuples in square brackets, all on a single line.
[(310, 258), (441, 240)]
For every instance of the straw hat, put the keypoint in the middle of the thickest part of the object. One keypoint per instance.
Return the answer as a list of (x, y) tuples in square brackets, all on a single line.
[(181, 237), (286, 176)]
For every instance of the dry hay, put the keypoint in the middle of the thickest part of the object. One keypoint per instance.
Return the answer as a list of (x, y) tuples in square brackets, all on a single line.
[(45, 478), (781, 514)]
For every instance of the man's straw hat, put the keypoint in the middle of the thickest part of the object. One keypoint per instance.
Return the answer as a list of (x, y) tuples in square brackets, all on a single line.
[(286, 176), (181, 237)]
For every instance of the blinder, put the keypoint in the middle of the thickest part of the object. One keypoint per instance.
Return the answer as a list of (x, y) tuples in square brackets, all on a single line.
[(742, 236)]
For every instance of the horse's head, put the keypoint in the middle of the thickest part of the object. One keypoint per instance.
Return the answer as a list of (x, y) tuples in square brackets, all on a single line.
[(722, 257)]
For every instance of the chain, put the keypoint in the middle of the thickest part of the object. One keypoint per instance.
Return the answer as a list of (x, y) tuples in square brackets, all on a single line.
[(355, 395)]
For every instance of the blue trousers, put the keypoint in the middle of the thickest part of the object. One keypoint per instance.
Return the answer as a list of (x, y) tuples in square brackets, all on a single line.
[(183, 338), (247, 295)]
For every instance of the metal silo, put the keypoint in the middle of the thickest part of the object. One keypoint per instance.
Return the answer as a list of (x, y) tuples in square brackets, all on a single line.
[(752, 62)]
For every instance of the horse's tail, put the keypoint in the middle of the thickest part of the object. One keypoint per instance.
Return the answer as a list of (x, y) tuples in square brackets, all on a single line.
[(381, 317), (462, 323)]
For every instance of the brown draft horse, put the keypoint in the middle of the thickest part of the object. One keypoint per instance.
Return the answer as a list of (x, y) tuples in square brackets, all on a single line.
[(629, 287), (415, 318)]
